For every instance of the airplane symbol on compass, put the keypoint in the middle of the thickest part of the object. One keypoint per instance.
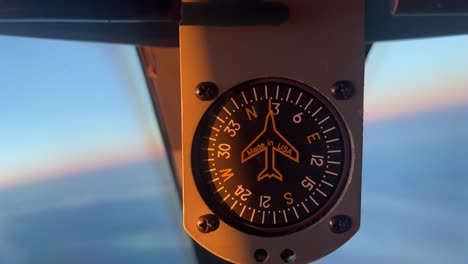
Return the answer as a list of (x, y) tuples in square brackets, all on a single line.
[(270, 141)]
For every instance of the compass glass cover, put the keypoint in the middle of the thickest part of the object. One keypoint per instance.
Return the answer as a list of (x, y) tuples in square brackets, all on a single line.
[(271, 156)]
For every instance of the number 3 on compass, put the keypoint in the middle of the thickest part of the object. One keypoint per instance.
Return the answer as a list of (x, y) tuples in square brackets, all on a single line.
[(270, 156)]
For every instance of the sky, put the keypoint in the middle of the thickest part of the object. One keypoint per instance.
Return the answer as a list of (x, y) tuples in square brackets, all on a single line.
[(68, 106), (406, 77)]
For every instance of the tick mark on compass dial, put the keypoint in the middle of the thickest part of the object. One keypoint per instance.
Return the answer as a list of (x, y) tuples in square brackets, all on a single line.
[(271, 156)]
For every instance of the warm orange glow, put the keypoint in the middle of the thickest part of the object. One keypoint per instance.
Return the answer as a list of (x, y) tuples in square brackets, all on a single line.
[(408, 106), (79, 165)]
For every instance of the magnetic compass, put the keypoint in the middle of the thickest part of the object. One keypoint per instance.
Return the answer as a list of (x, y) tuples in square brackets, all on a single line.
[(271, 156)]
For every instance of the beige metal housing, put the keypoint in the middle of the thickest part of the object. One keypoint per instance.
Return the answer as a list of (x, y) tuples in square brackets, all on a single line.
[(322, 42)]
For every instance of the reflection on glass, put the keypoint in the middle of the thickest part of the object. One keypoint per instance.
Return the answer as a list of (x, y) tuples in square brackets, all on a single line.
[(84, 179), (414, 202), (83, 174)]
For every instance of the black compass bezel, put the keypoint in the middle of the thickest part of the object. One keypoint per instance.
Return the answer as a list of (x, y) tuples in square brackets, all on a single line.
[(237, 222)]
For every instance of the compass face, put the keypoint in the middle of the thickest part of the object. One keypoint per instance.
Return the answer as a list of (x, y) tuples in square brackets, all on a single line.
[(271, 156)]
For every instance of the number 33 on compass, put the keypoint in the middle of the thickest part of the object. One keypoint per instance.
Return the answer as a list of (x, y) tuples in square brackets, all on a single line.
[(271, 156)]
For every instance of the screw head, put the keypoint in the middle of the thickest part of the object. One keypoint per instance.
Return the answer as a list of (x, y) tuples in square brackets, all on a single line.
[(261, 255), (206, 91), (340, 224), (342, 90), (287, 255), (207, 223)]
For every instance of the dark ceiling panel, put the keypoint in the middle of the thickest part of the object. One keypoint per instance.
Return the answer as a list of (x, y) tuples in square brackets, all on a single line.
[(164, 34), (381, 25), (90, 10), (430, 7), (160, 28)]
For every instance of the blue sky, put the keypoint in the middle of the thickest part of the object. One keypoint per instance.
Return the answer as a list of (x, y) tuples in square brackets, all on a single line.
[(68, 106), (405, 77)]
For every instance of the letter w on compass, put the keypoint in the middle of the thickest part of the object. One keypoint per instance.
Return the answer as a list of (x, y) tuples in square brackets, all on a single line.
[(270, 142)]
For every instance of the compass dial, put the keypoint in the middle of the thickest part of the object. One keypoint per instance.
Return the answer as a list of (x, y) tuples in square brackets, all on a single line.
[(271, 156)]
